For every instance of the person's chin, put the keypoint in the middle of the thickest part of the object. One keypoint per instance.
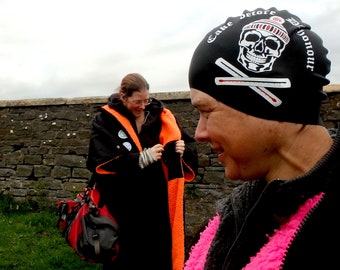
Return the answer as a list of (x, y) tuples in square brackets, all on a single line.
[(137, 113), (230, 175)]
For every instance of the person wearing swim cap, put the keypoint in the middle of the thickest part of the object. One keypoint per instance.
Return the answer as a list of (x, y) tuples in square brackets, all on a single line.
[(257, 82)]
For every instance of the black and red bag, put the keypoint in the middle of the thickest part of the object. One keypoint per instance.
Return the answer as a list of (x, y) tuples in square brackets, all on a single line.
[(90, 230)]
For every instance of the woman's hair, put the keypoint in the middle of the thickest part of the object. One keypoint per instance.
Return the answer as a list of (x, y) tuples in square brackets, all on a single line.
[(131, 83)]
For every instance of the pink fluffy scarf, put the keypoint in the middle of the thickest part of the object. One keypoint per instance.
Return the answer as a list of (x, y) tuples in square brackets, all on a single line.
[(270, 255), (199, 251)]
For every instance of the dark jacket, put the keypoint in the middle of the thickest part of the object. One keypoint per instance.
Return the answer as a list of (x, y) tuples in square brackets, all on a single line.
[(137, 198), (253, 210)]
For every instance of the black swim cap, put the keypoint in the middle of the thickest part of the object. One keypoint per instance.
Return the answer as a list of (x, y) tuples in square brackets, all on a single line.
[(266, 63)]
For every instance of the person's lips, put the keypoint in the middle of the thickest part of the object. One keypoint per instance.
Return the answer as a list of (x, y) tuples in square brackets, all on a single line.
[(220, 153)]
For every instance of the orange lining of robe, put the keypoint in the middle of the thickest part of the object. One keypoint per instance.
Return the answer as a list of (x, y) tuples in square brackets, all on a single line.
[(171, 132)]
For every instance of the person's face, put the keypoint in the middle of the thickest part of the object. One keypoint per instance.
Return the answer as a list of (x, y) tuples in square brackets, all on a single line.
[(137, 102), (240, 140)]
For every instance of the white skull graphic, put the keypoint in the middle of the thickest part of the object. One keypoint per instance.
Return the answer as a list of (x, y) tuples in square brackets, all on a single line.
[(261, 43)]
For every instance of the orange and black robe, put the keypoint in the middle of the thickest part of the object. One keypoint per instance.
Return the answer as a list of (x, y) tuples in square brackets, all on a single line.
[(147, 203)]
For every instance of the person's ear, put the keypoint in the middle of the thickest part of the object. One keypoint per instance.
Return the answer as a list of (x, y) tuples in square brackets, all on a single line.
[(122, 97)]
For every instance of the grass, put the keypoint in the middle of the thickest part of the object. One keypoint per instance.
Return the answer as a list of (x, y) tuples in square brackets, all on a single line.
[(31, 240)]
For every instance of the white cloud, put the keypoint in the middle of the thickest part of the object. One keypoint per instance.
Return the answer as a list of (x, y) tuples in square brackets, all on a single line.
[(74, 48)]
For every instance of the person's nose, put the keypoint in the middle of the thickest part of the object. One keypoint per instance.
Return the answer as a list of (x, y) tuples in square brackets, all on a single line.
[(201, 133), (142, 105)]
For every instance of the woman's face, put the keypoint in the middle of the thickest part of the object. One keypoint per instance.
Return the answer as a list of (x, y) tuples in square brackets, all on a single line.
[(137, 102), (244, 144)]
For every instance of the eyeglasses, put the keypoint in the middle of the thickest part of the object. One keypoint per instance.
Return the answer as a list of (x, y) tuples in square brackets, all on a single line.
[(144, 102)]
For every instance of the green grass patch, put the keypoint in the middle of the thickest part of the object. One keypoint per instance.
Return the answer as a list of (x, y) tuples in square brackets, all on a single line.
[(31, 240)]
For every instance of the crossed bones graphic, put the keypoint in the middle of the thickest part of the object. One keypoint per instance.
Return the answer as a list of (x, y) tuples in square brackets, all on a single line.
[(254, 83)]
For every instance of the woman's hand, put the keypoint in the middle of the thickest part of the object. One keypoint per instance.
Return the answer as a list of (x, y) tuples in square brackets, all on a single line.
[(157, 151), (180, 147), (150, 155)]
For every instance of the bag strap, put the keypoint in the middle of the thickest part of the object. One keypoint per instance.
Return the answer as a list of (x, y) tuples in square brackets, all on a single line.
[(91, 182)]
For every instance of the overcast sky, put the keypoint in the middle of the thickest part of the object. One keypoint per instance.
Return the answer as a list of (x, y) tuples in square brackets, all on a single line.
[(83, 48)]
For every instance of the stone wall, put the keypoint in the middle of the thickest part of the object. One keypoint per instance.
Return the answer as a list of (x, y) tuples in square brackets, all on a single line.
[(44, 144)]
